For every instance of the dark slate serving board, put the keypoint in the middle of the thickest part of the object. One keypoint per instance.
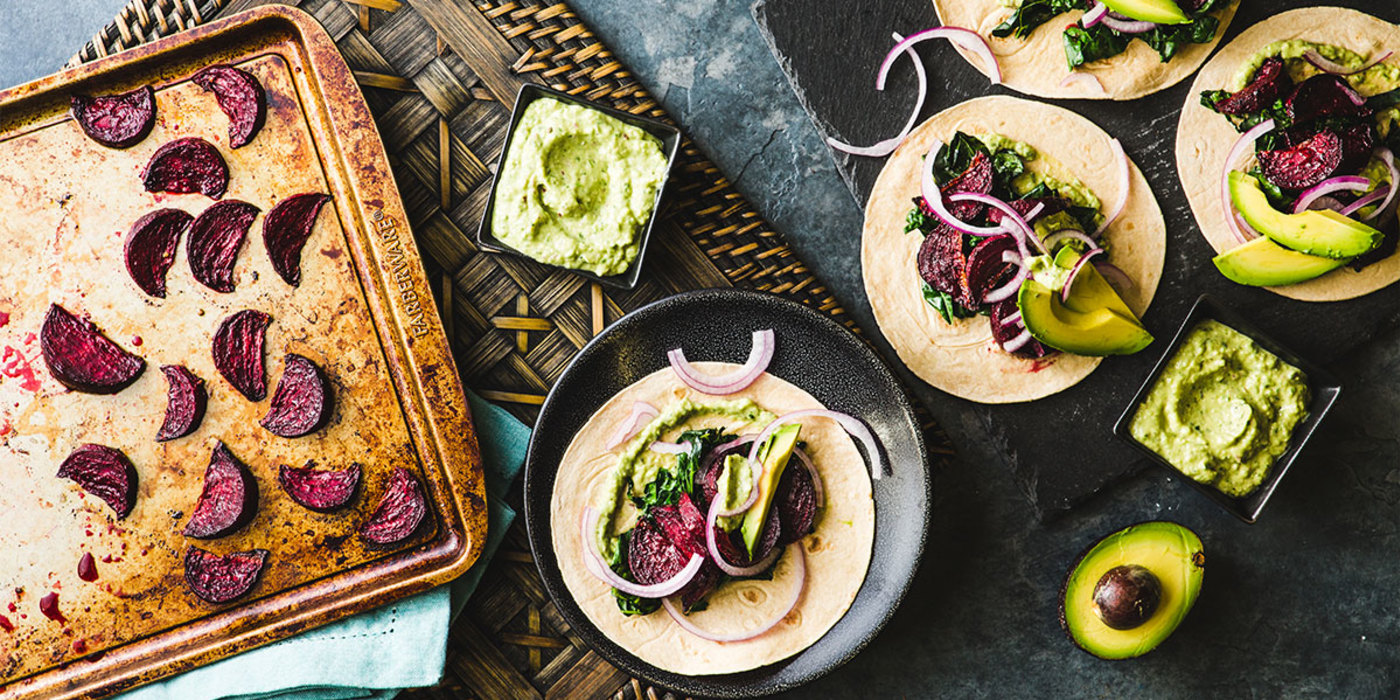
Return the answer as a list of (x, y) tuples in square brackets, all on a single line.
[(1060, 448)]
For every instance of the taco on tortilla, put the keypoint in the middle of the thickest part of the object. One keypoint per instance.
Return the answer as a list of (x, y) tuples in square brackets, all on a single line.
[(765, 521), (1118, 49), (1008, 245), (1286, 150)]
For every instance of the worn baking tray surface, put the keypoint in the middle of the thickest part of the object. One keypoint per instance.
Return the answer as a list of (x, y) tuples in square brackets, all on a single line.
[(1060, 447), (362, 312)]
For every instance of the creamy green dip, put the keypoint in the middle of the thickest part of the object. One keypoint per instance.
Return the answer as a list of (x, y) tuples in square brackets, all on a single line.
[(1069, 186), (577, 187), (1382, 77), (1223, 409), (637, 467)]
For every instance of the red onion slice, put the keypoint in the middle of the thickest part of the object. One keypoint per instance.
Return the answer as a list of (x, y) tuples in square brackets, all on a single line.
[(1012, 320), (887, 146), (1389, 159), (1244, 142), (934, 196), (1371, 198), (1095, 14), (593, 561), (1115, 276), (1354, 183), (1072, 234), (642, 413), (1126, 26), (799, 563), (848, 423), (967, 39), (740, 571), (668, 448), (723, 385), (1018, 342), (1125, 181), (1006, 291), (1021, 222), (1326, 65), (1074, 273)]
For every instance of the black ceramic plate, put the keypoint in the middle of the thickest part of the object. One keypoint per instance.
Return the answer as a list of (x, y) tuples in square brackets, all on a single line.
[(1323, 385), (814, 353)]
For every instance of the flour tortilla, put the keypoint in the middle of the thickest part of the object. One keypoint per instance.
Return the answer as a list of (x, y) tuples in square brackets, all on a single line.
[(1036, 64), (961, 358), (1204, 138), (837, 552)]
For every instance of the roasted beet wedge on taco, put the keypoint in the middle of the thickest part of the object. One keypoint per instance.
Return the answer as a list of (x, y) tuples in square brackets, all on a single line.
[(1008, 246), (1094, 49), (1287, 154), (713, 518)]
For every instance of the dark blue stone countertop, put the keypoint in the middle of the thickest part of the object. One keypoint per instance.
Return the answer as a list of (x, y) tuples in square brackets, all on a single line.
[(1304, 603)]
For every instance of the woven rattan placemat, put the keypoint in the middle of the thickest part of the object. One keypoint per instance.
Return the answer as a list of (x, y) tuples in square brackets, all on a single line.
[(440, 77)]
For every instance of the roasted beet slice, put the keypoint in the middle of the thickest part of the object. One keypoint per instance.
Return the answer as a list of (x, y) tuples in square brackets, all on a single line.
[(285, 230), (651, 555), (83, 359), (1304, 165), (240, 96), (301, 405), (1053, 205), (150, 248), (215, 238), (986, 267), (1325, 95), (1270, 83), (187, 165), (229, 499), (795, 502), (116, 121), (1004, 333), (943, 265), (401, 510), (185, 400), (978, 178), (219, 579), (662, 544), (320, 490), (103, 472), (238, 352), (1358, 143)]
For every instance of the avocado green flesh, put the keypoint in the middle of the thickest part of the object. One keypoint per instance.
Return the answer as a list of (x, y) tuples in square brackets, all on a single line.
[(1264, 263), (1102, 331), (1158, 11), (1322, 232), (1171, 552), (775, 458), (1090, 290)]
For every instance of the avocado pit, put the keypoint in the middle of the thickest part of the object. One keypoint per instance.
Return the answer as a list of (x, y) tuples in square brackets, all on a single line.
[(1127, 596)]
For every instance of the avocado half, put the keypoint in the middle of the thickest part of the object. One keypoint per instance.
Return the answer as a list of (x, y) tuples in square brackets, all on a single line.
[(1174, 557)]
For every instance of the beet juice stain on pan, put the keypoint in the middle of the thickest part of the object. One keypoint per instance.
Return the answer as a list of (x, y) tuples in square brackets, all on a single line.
[(812, 352)]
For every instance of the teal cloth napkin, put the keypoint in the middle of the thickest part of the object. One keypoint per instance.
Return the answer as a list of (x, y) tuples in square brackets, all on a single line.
[(377, 653)]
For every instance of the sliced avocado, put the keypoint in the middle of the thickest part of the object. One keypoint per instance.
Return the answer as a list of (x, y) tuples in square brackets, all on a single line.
[(1264, 263), (1131, 589), (1317, 231), (1090, 290), (774, 456), (1158, 11), (1102, 331)]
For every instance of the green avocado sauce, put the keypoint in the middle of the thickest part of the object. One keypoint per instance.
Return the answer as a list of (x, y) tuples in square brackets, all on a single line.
[(577, 187), (1380, 78), (1067, 185), (1223, 409), (637, 467)]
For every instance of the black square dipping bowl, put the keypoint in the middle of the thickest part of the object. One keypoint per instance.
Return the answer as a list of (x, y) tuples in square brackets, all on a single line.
[(669, 136), (1323, 386)]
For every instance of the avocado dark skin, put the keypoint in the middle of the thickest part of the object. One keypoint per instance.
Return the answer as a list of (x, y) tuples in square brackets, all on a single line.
[(1129, 591)]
